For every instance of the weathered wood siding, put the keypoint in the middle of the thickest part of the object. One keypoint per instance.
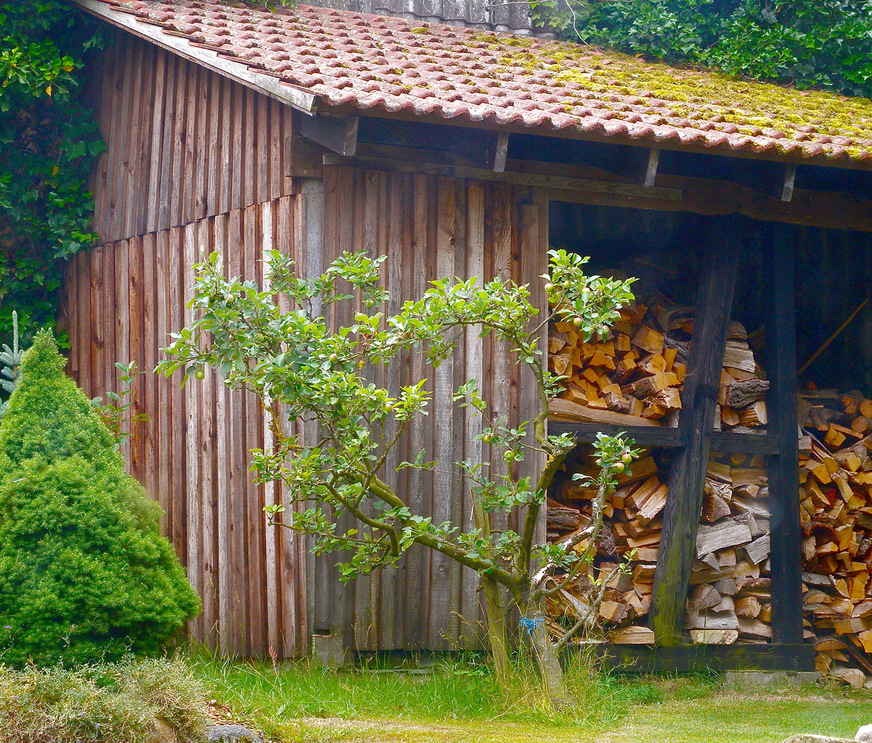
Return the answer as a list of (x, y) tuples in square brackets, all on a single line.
[(196, 164), (183, 143)]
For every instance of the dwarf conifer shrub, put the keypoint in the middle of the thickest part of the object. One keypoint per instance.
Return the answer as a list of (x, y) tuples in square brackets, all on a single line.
[(84, 572)]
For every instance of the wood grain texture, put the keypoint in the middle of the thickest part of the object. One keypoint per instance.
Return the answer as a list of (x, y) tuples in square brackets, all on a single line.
[(183, 143), (257, 588)]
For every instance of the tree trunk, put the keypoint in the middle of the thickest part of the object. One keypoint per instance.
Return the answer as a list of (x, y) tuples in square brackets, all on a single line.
[(545, 651), (496, 631)]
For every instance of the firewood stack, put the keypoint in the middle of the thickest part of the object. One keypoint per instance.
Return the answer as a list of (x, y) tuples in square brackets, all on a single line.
[(630, 534), (634, 377), (836, 515), (730, 589), (729, 597)]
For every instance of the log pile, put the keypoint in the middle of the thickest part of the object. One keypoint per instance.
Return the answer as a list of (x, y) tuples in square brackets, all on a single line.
[(634, 376), (729, 598), (836, 516), (730, 589)]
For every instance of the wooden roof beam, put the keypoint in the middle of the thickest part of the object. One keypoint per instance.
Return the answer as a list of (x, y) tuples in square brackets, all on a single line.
[(335, 133)]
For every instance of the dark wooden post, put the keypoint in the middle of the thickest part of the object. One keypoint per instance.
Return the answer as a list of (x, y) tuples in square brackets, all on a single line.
[(699, 399), (786, 564)]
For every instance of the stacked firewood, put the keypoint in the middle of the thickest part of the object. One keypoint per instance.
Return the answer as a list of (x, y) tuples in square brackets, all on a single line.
[(730, 589), (836, 515), (634, 376), (630, 537), (729, 597)]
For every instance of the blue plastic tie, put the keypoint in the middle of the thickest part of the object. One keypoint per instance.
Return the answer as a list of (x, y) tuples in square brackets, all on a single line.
[(531, 625)]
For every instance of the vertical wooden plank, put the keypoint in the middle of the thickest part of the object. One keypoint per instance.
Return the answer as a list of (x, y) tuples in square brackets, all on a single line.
[(238, 476), (68, 316), (204, 154), (250, 145), (179, 126), (445, 481), (108, 381), (389, 230), (163, 452), (237, 132), (137, 409), (699, 398), (151, 246), (254, 231), (271, 490), (169, 143), (786, 562), (192, 146), (119, 135), (134, 120), (158, 139), (211, 455), (98, 329), (223, 423), (473, 369), (193, 440), (215, 176), (178, 414), (122, 323)]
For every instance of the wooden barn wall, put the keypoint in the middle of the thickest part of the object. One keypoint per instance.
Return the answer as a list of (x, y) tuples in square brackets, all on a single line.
[(183, 143), (430, 227), (260, 587), (121, 301)]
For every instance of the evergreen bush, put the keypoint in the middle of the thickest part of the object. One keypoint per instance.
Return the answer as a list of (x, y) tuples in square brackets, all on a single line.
[(84, 572)]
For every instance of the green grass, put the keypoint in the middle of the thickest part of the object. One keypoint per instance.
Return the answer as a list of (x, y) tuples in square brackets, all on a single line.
[(458, 702)]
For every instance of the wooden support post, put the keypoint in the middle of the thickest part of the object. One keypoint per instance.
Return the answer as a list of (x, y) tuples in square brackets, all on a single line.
[(786, 562), (501, 149), (651, 170), (789, 179), (681, 515)]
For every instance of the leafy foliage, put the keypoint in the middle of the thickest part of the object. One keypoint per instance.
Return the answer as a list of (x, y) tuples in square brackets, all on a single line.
[(84, 572), (810, 43), (48, 142), (304, 369)]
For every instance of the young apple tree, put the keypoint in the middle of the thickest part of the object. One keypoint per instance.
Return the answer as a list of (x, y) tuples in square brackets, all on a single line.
[(302, 369)]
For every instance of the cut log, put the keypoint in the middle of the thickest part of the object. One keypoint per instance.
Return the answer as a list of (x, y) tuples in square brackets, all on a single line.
[(726, 533), (714, 636), (742, 393), (565, 410), (633, 635)]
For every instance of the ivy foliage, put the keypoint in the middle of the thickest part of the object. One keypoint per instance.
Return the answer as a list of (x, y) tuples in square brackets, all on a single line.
[(808, 43), (48, 142), (85, 574)]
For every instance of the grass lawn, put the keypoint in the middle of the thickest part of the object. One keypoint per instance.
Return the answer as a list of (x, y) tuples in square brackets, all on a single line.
[(457, 702)]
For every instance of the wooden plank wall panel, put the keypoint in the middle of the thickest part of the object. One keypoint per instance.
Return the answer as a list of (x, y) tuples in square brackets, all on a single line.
[(183, 143), (191, 453), (431, 227)]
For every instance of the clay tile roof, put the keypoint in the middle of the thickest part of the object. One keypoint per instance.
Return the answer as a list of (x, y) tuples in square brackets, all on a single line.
[(394, 65)]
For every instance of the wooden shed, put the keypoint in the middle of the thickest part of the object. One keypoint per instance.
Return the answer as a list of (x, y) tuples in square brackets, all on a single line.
[(459, 151)]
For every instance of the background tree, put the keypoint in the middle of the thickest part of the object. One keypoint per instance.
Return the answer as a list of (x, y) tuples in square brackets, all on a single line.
[(84, 571), (48, 143), (808, 43), (301, 369)]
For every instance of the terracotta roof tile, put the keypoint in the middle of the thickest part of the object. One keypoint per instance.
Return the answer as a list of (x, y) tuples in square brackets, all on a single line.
[(390, 64)]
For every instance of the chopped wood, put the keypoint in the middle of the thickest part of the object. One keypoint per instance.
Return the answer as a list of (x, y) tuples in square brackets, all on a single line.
[(566, 410), (726, 533), (714, 636), (741, 393), (633, 635)]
